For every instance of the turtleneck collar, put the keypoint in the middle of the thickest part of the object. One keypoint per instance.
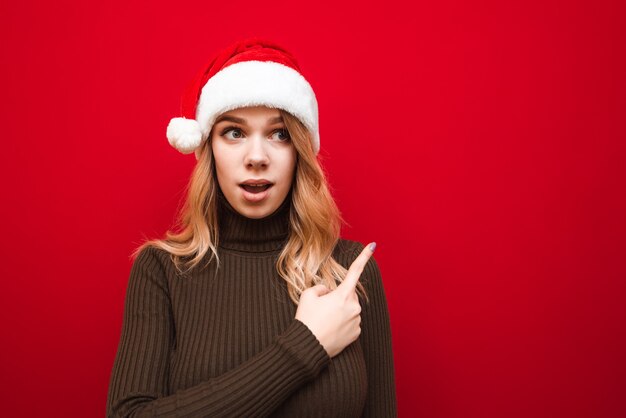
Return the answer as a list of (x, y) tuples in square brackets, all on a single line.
[(240, 233)]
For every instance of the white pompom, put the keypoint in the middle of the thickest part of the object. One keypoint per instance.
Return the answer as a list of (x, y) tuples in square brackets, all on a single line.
[(184, 134)]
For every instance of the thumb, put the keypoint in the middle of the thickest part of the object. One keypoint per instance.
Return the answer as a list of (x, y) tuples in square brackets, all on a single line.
[(318, 290)]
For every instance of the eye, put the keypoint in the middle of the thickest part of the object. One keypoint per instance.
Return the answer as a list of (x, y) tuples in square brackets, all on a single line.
[(235, 131), (284, 133)]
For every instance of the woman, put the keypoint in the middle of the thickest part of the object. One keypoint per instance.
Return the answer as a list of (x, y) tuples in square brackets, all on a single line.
[(255, 306)]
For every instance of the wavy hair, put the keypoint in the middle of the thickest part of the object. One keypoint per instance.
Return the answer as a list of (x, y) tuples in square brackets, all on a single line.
[(314, 224)]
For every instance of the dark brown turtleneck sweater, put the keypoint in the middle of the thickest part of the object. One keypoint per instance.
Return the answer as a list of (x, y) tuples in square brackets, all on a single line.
[(229, 345)]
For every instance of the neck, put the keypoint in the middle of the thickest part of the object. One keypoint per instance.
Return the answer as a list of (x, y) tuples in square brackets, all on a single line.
[(238, 232)]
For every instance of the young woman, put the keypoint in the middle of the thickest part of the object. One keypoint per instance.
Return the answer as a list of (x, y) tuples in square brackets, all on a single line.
[(254, 306)]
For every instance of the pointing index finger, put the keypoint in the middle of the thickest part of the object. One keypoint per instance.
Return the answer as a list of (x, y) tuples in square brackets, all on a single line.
[(356, 268)]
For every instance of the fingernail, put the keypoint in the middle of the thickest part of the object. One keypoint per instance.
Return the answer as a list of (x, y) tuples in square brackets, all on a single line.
[(373, 246)]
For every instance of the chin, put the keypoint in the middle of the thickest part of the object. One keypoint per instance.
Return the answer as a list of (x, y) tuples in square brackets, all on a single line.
[(259, 212), (259, 209)]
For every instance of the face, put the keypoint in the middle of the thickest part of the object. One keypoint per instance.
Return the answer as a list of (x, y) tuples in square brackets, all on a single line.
[(252, 144)]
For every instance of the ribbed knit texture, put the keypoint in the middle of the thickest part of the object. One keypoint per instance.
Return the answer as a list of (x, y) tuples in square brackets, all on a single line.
[(229, 345)]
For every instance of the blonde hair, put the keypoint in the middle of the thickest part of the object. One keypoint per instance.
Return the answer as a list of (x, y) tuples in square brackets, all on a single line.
[(314, 224)]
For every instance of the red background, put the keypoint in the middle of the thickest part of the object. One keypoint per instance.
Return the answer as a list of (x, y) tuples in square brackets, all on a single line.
[(481, 144)]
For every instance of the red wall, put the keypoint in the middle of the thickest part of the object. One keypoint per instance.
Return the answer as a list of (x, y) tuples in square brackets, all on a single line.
[(480, 144)]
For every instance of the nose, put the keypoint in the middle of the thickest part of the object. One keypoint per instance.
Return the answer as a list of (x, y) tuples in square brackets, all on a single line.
[(256, 154)]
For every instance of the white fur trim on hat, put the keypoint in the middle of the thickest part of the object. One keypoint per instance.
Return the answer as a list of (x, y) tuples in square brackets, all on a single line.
[(255, 83), (184, 134)]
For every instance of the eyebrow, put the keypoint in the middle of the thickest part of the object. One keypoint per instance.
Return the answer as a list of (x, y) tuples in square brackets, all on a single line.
[(242, 121)]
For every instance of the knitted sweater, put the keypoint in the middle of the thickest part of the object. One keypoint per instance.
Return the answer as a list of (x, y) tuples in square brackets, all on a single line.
[(228, 345)]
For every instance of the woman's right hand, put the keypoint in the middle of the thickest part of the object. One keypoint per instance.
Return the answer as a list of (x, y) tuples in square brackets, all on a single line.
[(334, 316)]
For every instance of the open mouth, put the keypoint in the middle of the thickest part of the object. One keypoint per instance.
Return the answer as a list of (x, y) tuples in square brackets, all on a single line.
[(255, 189)]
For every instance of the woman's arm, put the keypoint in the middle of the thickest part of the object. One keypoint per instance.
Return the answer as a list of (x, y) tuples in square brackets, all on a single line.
[(139, 379), (377, 346)]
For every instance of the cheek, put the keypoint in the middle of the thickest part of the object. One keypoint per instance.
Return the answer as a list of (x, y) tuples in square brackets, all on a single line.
[(288, 175), (287, 166), (290, 158), (222, 157), (222, 168)]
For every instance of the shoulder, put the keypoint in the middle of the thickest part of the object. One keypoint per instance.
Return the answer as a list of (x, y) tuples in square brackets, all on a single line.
[(151, 256), (344, 251), (155, 261), (347, 246)]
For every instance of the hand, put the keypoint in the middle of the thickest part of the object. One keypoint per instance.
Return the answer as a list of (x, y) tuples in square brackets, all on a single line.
[(334, 316)]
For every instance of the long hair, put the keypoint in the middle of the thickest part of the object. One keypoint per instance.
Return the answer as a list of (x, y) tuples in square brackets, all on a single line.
[(314, 224)]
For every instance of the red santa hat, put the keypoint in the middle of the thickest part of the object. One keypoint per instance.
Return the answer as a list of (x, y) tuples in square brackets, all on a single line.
[(250, 72)]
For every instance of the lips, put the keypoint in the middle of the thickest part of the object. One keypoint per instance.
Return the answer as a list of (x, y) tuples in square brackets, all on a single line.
[(255, 195), (256, 182), (255, 189)]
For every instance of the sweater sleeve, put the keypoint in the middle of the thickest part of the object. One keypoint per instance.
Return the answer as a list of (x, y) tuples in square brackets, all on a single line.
[(377, 345), (139, 380)]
